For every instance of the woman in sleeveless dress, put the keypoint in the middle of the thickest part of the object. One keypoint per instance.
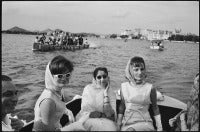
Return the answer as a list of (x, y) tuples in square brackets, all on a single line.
[(136, 96), (49, 108)]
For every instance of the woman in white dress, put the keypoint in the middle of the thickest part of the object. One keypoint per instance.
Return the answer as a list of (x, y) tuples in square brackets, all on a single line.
[(136, 96), (49, 108), (98, 103)]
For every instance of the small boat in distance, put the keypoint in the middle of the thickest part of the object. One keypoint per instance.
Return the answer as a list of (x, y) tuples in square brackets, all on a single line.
[(157, 44), (168, 106)]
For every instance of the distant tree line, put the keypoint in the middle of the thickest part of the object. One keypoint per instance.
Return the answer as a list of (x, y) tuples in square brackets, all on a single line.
[(39, 33), (174, 37), (188, 37), (126, 36), (19, 32), (86, 34)]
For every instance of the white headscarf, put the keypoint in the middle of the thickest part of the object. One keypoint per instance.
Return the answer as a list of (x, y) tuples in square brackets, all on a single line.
[(49, 81), (128, 73)]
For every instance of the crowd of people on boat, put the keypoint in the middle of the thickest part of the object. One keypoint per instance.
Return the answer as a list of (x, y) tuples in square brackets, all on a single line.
[(60, 38), (98, 107)]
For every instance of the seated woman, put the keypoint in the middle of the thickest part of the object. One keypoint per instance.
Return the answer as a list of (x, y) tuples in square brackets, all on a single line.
[(136, 96), (98, 103), (188, 120), (49, 108)]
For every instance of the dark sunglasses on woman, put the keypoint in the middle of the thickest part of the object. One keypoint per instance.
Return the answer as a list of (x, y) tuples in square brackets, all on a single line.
[(104, 77)]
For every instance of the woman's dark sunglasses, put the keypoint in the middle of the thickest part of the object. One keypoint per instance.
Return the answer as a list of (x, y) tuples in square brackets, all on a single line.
[(104, 77), (10, 93), (63, 75)]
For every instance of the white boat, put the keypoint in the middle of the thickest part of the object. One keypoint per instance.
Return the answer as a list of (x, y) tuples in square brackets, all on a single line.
[(168, 106), (157, 44)]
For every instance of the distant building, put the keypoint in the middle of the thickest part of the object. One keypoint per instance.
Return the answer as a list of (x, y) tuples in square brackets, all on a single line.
[(126, 32), (102, 36), (148, 34)]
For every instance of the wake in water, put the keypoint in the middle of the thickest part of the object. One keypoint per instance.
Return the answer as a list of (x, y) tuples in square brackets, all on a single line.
[(94, 45)]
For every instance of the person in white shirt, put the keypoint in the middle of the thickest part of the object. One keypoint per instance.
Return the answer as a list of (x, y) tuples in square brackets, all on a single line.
[(9, 101)]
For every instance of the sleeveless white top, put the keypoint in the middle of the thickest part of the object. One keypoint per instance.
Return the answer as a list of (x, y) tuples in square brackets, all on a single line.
[(137, 101), (60, 106)]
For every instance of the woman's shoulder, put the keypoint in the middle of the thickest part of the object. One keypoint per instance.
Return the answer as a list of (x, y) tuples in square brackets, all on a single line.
[(124, 83), (88, 87), (149, 84), (45, 95)]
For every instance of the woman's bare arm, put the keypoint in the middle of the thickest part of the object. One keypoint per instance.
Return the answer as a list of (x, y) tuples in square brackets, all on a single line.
[(47, 109)]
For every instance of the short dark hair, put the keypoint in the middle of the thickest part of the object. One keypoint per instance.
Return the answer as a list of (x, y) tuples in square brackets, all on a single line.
[(99, 69), (60, 64), (137, 60), (5, 78)]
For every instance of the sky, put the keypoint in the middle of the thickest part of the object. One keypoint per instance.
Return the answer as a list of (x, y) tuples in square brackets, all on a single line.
[(102, 17)]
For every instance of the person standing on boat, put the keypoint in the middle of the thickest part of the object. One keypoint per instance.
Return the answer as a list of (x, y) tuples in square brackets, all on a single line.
[(49, 108), (136, 97), (42, 38), (80, 40), (9, 100), (70, 40), (36, 40), (98, 103), (86, 41)]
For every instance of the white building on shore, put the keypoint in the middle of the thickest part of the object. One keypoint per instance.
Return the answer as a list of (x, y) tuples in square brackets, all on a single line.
[(148, 34)]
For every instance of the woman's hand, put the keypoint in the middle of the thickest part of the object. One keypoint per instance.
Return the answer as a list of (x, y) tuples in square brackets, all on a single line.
[(70, 115), (95, 114), (107, 88), (16, 123)]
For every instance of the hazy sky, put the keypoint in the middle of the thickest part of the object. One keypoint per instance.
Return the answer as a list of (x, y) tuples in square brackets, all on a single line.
[(101, 16)]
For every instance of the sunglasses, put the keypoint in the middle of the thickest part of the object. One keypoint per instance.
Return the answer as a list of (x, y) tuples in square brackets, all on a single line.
[(10, 93), (63, 75), (104, 77)]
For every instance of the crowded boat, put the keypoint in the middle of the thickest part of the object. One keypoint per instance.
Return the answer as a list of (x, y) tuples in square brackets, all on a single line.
[(59, 41)]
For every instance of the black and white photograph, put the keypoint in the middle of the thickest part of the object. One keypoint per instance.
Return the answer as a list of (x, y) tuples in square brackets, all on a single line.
[(100, 66)]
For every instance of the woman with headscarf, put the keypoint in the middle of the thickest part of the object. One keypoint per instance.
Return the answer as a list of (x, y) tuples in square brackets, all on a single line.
[(136, 96), (49, 108), (98, 103)]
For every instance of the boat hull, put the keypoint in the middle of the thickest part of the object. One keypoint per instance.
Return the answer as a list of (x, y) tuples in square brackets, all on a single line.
[(169, 107), (47, 47), (157, 47)]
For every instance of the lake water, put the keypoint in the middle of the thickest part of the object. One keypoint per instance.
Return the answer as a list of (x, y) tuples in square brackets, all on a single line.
[(171, 71)]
